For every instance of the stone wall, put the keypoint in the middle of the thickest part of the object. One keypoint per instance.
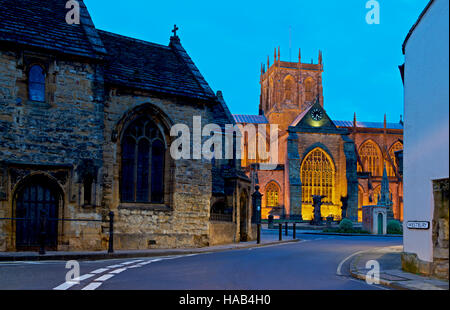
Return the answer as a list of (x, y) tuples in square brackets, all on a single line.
[(52, 138), (76, 131), (221, 232), (440, 228), (183, 220), (333, 146)]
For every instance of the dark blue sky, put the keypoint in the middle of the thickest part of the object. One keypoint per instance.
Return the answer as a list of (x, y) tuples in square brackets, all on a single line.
[(228, 41)]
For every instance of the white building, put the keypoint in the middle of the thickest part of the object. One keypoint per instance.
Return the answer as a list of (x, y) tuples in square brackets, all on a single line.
[(426, 137)]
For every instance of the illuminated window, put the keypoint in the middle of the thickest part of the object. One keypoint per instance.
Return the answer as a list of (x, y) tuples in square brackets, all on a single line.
[(36, 83), (317, 176), (371, 157), (398, 146), (360, 203), (309, 85), (272, 195)]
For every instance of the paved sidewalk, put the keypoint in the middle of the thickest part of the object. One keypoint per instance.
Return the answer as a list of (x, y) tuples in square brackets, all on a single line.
[(266, 240), (391, 273)]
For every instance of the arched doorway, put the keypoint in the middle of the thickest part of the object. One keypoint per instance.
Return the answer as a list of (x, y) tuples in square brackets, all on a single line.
[(36, 205), (380, 223), (243, 202)]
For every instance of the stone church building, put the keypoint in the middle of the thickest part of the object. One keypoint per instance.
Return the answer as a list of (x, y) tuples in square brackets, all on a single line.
[(341, 160), (85, 119)]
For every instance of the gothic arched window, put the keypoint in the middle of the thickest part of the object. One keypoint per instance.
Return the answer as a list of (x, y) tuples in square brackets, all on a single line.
[(370, 155), (143, 152), (397, 146), (317, 176), (272, 195), (289, 88), (36, 83), (309, 93)]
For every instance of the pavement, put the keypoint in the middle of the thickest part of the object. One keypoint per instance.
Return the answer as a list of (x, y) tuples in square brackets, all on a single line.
[(391, 273), (266, 240)]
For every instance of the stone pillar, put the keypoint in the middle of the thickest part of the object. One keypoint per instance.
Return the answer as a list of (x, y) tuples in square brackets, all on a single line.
[(352, 179), (295, 184)]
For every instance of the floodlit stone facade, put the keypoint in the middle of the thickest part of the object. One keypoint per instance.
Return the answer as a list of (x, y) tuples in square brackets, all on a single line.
[(317, 155)]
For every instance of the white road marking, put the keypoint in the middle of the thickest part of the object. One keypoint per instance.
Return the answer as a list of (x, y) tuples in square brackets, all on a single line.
[(83, 277), (115, 266), (118, 270), (101, 270), (132, 262), (338, 271), (91, 286), (104, 277), (65, 286), (135, 266)]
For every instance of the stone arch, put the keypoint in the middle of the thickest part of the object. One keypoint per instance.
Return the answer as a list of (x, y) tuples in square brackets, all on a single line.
[(289, 88), (158, 149), (163, 121), (38, 200), (272, 195)]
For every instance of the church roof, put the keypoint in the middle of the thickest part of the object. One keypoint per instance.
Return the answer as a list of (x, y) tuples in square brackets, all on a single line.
[(43, 24), (250, 119), (377, 125), (150, 66), (300, 116), (128, 62)]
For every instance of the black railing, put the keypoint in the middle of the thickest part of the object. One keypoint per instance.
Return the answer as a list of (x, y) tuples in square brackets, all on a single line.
[(221, 217), (43, 233)]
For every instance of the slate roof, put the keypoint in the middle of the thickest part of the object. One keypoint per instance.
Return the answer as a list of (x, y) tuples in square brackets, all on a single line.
[(129, 62), (377, 125), (250, 119), (43, 24), (149, 66)]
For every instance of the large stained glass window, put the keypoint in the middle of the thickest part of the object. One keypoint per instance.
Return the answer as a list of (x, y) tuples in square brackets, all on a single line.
[(143, 151), (317, 176)]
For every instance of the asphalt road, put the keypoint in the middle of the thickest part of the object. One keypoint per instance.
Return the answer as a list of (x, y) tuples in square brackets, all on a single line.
[(310, 264)]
